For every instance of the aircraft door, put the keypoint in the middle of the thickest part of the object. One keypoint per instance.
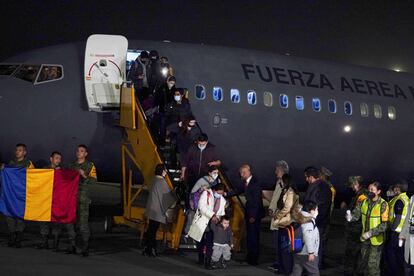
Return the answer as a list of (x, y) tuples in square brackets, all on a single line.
[(105, 60)]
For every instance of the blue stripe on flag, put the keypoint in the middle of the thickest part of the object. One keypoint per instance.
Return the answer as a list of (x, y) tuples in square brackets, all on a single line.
[(13, 192)]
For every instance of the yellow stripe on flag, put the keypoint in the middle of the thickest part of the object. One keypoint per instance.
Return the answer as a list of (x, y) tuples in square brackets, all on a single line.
[(39, 192)]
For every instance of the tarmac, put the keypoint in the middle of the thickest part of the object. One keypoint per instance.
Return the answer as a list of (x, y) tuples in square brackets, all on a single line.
[(120, 253)]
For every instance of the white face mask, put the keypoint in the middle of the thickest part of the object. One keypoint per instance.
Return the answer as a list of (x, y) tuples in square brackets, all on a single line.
[(201, 146), (214, 176), (177, 98), (216, 195)]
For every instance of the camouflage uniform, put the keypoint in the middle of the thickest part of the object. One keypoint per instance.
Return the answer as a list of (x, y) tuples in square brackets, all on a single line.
[(352, 232), (83, 203), (16, 225), (371, 254)]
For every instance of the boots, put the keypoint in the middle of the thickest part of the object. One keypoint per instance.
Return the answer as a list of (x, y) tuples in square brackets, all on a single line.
[(56, 243), (71, 248), (85, 249), (12, 239), (223, 264), (44, 243), (18, 241)]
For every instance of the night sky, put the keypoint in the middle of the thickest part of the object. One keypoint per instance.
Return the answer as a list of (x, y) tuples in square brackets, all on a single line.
[(359, 32)]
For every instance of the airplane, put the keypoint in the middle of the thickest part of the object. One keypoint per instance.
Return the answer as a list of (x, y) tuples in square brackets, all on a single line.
[(257, 107)]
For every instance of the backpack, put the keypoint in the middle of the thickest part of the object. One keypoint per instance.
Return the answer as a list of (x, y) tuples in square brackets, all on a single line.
[(293, 240), (195, 198)]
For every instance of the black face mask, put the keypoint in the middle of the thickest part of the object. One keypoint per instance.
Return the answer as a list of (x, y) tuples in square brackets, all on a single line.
[(371, 195)]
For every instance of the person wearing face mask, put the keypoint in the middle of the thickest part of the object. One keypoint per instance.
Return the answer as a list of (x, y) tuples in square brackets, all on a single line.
[(373, 213), (179, 108), (160, 199), (198, 159), (185, 135), (353, 229), (393, 254), (211, 207), (307, 258)]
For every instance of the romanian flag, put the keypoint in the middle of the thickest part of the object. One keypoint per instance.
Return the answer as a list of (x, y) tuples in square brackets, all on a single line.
[(39, 194)]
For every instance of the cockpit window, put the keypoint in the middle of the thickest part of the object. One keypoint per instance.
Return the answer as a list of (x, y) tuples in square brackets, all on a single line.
[(8, 69), (200, 92), (251, 97), (49, 73), (217, 94), (27, 72)]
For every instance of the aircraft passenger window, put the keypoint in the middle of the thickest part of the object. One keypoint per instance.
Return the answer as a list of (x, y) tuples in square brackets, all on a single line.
[(268, 99), (377, 111), (316, 104), (364, 110), (235, 95), (217, 94), (392, 113), (200, 92), (348, 108), (251, 97), (332, 106), (300, 103), (284, 101), (8, 69), (50, 73), (27, 72)]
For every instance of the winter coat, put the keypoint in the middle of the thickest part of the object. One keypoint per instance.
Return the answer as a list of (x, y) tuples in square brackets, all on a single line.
[(286, 215), (310, 234), (405, 234), (320, 193), (204, 213), (159, 200)]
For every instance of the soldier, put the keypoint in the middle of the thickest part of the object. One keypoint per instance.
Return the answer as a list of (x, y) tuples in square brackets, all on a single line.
[(353, 229), (55, 160), (393, 254), (373, 213), (16, 225), (87, 171)]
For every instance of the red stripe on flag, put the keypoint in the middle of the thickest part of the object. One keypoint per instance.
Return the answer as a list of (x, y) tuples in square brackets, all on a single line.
[(65, 193)]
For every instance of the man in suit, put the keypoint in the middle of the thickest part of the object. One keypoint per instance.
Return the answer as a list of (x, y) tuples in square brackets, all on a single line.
[(254, 211)]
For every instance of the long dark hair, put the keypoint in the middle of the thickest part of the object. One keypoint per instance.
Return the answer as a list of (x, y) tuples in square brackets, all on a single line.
[(287, 183)]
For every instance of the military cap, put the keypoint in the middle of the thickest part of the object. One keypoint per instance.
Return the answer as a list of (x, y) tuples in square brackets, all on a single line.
[(326, 171)]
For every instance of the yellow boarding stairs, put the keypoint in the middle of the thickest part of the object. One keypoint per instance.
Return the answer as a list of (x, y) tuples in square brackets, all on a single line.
[(140, 155)]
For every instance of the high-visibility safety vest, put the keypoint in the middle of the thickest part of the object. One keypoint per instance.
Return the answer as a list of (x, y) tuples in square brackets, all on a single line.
[(373, 219), (404, 198)]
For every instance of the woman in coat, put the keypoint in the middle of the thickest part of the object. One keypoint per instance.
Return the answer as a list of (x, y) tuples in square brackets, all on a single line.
[(287, 211), (210, 208), (160, 199), (407, 235)]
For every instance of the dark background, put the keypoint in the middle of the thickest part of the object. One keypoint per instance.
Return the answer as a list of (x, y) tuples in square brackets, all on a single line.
[(372, 33)]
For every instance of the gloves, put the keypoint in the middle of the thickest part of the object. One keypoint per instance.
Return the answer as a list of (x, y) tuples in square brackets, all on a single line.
[(400, 242), (348, 215), (367, 235)]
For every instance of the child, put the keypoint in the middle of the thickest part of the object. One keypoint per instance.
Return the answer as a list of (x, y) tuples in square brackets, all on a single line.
[(308, 258), (223, 242)]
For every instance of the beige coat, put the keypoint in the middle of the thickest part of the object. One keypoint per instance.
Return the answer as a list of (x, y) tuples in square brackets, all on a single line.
[(405, 234), (285, 216), (275, 199), (204, 213)]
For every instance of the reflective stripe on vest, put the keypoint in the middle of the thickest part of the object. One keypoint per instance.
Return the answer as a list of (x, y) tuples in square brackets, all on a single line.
[(404, 198), (374, 218)]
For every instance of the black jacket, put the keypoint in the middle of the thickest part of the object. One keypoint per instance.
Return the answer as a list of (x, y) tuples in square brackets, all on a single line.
[(320, 193), (254, 202)]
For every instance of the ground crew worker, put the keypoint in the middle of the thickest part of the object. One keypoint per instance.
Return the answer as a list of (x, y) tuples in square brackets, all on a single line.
[(55, 160), (373, 213), (393, 254), (407, 239), (326, 176), (16, 225), (87, 171), (353, 229)]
